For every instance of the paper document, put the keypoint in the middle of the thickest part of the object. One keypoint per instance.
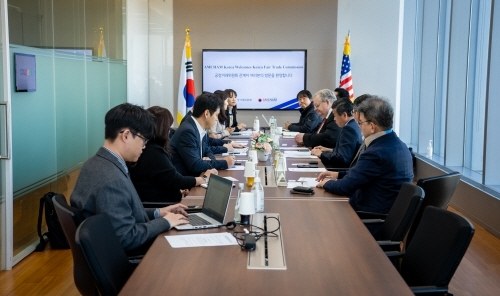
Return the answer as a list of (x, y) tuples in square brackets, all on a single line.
[(290, 134), (240, 150), (201, 240), (300, 156), (236, 168), (234, 153), (297, 153), (309, 181), (231, 179), (303, 149), (317, 170)]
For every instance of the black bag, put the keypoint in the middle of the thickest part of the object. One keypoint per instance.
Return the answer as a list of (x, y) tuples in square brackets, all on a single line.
[(55, 233)]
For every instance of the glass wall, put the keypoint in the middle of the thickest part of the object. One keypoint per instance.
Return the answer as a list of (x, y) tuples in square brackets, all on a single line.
[(453, 80), (80, 74)]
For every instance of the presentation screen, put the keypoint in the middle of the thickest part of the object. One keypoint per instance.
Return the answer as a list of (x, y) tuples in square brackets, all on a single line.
[(263, 79), (25, 65)]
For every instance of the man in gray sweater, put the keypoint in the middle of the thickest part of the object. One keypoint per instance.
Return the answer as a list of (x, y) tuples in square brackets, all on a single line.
[(104, 184)]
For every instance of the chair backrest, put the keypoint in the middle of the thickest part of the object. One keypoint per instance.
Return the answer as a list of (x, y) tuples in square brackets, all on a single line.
[(70, 218), (438, 192), (104, 254), (405, 207), (440, 242)]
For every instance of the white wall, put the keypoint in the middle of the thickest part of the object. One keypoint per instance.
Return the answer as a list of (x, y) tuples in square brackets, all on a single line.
[(376, 42), (137, 52)]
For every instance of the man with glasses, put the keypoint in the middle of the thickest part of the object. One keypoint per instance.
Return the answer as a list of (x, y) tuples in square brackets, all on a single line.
[(309, 119), (328, 131), (348, 141), (374, 182), (104, 184)]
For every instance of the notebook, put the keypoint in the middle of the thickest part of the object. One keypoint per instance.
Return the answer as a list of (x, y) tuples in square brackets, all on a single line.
[(214, 207)]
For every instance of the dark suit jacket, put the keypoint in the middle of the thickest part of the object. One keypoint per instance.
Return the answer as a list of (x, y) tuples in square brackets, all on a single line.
[(347, 145), (327, 136), (155, 177), (216, 145), (374, 182), (103, 186), (235, 122), (308, 122), (185, 147)]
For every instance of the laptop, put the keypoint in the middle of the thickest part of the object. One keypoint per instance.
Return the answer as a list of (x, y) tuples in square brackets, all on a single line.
[(214, 207)]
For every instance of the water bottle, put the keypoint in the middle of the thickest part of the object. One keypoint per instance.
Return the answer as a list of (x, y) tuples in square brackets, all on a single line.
[(256, 126), (272, 126), (258, 193), (237, 215), (429, 150)]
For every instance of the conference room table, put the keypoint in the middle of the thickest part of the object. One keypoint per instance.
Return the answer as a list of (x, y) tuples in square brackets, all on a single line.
[(327, 249)]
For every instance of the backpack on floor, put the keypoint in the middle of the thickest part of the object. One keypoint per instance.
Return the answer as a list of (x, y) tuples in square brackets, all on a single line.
[(55, 234)]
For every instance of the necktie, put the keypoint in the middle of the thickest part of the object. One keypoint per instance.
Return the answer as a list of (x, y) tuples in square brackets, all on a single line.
[(360, 150), (321, 126)]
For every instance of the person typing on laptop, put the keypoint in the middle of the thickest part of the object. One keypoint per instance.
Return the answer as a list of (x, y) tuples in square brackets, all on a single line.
[(104, 184)]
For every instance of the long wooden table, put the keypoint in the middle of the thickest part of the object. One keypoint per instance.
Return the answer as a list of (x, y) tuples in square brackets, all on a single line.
[(328, 251)]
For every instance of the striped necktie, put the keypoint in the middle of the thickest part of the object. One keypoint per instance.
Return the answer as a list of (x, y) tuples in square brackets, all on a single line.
[(321, 126)]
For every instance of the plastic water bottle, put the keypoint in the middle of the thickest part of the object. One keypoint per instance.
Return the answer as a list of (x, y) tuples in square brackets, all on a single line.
[(256, 126), (272, 126), (429, 149), (258, 193), (237, 215)]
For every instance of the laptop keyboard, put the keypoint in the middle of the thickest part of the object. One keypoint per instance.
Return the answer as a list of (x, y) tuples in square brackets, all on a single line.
[(196, 220)]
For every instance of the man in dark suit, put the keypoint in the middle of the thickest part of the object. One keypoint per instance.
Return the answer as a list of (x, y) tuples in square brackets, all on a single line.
[(348, 141), (190, 153), (104, 184), (309, 119), (328, 131), (374, 182)]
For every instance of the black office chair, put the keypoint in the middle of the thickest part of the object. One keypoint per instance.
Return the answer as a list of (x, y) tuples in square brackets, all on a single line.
[(70, 218), (439, 244), (438, 192), (389, 231), (104, 254)]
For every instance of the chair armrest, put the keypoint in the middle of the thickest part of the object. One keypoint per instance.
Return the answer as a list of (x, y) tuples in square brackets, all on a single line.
[(394, 254), (370, 215), (152, 204), (372, 221), (390, 245), (429, 290)]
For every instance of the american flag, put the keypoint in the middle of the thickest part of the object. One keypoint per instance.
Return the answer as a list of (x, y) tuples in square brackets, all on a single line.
[(345, 72)]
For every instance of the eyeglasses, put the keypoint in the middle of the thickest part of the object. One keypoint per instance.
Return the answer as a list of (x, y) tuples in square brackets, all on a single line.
[(144, 140), (361, 122)]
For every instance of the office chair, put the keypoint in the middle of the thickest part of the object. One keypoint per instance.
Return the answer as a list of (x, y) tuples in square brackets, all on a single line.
[(70, 218), (438, 191), (438, 246), (104, 254), (389, 231)]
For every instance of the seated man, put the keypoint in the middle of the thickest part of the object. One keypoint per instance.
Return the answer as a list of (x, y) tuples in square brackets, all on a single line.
[(348, 141), (188, 146), (309, 119), (341, 93), (328, 131), (104, 184), (374, 182)]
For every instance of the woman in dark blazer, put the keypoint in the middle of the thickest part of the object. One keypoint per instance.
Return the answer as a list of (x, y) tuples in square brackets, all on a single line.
[(153, 175), (231, 112)]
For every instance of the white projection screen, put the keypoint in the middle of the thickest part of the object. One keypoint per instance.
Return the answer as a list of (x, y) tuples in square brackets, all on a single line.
[(263, 79)]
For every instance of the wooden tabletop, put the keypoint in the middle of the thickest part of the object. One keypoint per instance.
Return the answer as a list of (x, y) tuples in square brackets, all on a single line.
[(328, 251)]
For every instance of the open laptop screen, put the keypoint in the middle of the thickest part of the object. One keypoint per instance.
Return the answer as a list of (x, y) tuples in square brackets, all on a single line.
[(217, 197)]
